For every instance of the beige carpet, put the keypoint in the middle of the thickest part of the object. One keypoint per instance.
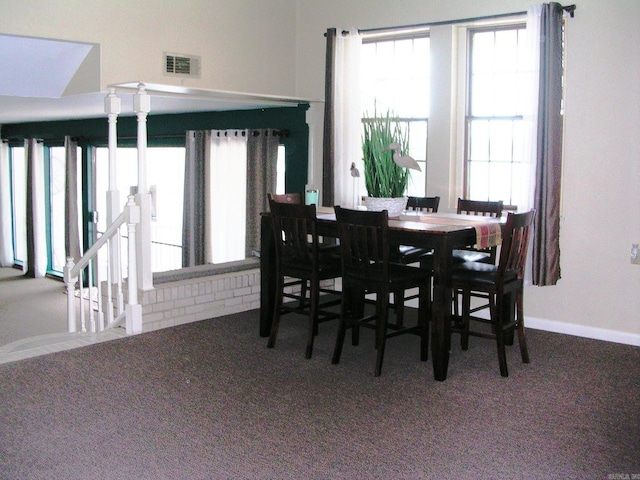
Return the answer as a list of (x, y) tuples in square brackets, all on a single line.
[(30, 306)]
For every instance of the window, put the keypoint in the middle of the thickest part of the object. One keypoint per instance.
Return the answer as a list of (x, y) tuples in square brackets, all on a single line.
[(396, 75), (168, 177), (165, 177), (227, 187), (280, 171), (494, 121), (56, 182), (19, 203)]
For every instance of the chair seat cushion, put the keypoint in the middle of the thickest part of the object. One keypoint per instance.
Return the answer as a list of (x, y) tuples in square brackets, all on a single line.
[(329, 264), (333, 248), (398, 275), (461, 256), (407, 254), (479, 273)]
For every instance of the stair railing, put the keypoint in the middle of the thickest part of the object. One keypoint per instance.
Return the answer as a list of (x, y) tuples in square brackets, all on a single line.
[(81, 274)]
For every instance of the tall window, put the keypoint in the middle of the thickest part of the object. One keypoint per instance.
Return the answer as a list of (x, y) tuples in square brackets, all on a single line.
[(56, 181), (496, 83), (165, 177), (280, 170), (227, 187), (19, 203), (397, 77)]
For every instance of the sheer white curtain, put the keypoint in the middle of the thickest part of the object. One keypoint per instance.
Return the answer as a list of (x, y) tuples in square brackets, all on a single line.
[(36, 215), (347, 115), (6, 237), (227, 190), (523, 194)]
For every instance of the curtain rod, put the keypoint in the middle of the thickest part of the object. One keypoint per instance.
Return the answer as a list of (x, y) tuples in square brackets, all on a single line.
[(254, 132), (570, 9)]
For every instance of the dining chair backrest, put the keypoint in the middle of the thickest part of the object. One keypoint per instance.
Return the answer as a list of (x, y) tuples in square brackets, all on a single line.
[(301, 264), (286, 197), (480, 207), (424, 204), (364, 242), (485, 209), (295, 230), (515, 242)]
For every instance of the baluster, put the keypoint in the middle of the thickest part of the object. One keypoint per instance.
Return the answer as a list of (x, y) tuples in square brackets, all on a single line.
[(110, 307), (92, 319), (83, 325), (71, 303), (134, 310), (98, 289)]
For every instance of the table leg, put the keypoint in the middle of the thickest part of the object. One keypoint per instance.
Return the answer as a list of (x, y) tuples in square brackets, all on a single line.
[(509, 312), (267, 273), (442, 297)]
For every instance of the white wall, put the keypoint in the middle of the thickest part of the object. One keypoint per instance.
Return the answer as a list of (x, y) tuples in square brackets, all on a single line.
[(277, 47), (245, 45), (599, 293)]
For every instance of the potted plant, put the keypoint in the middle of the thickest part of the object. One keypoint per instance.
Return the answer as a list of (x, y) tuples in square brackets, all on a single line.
[(386, 170)]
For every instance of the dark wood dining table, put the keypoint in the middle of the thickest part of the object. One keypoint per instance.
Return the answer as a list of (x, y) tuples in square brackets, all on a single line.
[(441, 232)]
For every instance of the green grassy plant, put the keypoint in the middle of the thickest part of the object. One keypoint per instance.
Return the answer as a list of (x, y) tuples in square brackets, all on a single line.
[(383, 178)]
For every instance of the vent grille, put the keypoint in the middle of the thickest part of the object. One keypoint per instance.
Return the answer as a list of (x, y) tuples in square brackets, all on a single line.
[(181, 65)]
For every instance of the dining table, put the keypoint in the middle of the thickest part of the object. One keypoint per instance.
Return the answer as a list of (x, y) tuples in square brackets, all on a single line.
[(441, 232)]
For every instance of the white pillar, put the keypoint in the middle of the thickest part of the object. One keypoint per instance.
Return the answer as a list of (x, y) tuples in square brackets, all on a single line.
[(142, 106), (112, 107), (133, 308), (444, 167)]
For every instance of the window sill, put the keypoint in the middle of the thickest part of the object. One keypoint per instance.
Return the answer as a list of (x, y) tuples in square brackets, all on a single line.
[(205, 271)]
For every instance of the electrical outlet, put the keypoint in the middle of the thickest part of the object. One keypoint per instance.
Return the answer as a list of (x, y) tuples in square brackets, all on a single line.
[(635, 254)]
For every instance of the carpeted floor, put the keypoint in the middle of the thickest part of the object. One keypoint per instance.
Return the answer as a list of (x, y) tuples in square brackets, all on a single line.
[(30, 306), (208, 400)]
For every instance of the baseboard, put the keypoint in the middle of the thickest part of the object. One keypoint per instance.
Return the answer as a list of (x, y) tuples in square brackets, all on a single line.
[(554, 326), (595, 333)]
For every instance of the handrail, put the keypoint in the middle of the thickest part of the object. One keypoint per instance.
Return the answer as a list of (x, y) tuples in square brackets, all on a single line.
[(132, 314), (93, 250)]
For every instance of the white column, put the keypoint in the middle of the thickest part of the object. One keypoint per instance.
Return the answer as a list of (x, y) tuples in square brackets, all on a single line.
[(446, 124), (133, 309), (142, 106), (112, 107)]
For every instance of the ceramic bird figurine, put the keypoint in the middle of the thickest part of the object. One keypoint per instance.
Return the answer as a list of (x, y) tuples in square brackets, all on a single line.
[(354, 171), (404, 161)]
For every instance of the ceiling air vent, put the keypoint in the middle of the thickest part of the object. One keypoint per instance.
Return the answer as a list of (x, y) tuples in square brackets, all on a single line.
[(181, 65)]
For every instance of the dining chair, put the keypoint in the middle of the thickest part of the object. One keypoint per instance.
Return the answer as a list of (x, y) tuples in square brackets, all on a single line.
[(323, 246), (504, 283), (485, 209), (285, 197), (407, 254), (299, 257), (366, 268), (471, 254)]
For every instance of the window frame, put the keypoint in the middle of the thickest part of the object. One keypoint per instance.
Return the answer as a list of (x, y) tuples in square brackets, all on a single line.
[(514, 24), (407, 121), (14, 230)]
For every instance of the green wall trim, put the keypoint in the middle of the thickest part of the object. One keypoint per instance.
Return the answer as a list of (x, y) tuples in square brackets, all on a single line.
[(169, 129)]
